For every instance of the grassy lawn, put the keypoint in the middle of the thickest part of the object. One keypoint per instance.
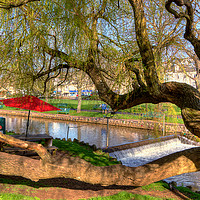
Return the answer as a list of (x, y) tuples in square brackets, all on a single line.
[(128, 196), (10, 196), (85, 151), (140, 112), (120, 195), (85, 105)]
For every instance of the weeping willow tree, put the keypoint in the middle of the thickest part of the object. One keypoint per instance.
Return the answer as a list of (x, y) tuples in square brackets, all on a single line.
[(116, 45)]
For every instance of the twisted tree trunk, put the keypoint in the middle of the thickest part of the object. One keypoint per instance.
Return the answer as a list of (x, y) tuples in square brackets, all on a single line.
[(76, 168)]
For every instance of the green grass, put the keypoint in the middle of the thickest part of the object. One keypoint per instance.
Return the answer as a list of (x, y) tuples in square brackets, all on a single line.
[(143, 108), (120, 195), (97, 158), (11, 196), (124, 116), (84, 151), (188, 192), (159, 186), (87, 114), (128, 196), (85, 104)]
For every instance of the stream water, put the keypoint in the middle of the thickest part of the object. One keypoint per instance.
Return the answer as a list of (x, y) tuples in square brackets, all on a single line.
[(91, 133)]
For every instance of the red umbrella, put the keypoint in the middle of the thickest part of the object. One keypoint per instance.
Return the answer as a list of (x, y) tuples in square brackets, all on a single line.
[(29, 103)]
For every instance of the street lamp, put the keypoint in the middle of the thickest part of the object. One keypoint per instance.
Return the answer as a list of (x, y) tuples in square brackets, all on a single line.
[(108, 116)]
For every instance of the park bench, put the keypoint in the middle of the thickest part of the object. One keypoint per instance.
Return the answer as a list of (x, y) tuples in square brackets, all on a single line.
[(95, 107), (36, 138), (64, 109), (48, 140), (151, 114)]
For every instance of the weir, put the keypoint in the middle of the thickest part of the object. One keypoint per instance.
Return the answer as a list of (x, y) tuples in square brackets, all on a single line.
[(143, 154)]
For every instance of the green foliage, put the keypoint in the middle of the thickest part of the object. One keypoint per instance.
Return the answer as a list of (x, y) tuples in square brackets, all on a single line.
[(85, 152)]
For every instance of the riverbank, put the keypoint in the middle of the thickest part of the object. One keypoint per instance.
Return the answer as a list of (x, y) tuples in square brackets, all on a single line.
[(163, 127)]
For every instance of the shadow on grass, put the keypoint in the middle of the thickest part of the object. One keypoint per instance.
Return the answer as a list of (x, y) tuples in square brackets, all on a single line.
[(59, 182)]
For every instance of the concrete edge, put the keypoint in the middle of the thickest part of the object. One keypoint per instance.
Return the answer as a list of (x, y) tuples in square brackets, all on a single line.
[(137, 144)]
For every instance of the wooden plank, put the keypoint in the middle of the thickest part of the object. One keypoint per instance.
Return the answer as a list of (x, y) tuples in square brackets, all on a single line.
[(39, 136), (36, 138)]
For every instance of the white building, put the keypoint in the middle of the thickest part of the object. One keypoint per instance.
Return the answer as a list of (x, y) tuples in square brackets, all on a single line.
[(183, 72), (70, 89)]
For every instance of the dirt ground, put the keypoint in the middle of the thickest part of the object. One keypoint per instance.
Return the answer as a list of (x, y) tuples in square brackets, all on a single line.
[(69, 189)]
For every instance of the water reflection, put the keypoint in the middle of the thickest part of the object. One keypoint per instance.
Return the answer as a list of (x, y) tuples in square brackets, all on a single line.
[(91, 133)]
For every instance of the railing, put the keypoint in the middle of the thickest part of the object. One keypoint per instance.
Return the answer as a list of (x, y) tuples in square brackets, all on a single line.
[(188, 138)]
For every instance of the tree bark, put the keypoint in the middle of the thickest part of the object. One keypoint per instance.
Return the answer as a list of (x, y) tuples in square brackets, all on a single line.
[(14, 3), (174, 164), (38, 148), (79, 100)]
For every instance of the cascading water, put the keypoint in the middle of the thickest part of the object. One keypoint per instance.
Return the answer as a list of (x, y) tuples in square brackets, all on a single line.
[(141, 155), (144, 154)]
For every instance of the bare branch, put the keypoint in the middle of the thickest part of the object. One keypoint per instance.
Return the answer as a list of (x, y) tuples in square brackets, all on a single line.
[(50, 70), (64, 78), (189, 16)]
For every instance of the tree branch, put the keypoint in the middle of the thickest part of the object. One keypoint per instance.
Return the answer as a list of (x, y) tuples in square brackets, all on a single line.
[(38, 148), (76, 168), (13, 4), (54, 69), (189, 31), (136, 71), (145, 48)]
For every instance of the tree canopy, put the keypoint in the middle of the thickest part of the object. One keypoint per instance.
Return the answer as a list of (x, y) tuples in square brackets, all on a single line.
[(118, 44)]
